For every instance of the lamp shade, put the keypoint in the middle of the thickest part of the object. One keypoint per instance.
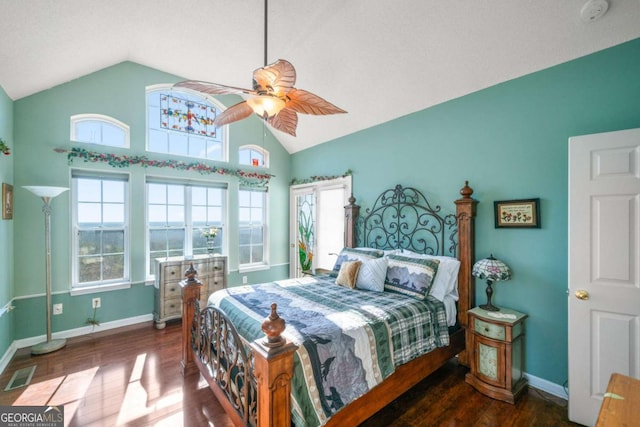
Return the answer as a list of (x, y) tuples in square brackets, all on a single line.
[(45, 191), (266, 106), (491, 269)]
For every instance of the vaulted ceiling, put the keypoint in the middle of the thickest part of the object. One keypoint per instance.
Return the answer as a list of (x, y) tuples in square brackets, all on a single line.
[(377, 59)]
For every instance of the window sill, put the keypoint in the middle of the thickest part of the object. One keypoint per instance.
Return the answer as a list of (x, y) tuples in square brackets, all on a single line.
[(254, 267), (99, 288)]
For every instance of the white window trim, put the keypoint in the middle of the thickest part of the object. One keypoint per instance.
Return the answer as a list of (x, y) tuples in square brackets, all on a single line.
[(264, 265), (77, 118), (166, 87), (263, 151), (344, 182), (150, 278), (249, 268), (124, 283), (84, 290)]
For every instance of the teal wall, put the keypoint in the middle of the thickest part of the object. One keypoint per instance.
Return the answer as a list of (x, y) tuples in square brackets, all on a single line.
[(510, 142), (6, 226), (41, 124)]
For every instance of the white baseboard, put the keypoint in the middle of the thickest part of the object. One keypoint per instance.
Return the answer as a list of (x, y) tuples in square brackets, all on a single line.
[(544, 385), (85, 330), (6, 358)]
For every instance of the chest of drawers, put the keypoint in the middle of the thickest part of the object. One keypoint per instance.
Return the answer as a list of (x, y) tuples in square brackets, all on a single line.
[(212, 272)]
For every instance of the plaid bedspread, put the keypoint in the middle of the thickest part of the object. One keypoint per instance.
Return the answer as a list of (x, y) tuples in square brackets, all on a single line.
[(349, 340)]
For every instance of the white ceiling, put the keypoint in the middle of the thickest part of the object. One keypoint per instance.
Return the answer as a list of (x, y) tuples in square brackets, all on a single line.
[(377, 59)]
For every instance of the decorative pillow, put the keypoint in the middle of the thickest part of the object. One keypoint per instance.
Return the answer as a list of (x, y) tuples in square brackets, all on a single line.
[(384, 251), (372, 274), (348, 274), (353, 254), (410, 276), (446, 280)]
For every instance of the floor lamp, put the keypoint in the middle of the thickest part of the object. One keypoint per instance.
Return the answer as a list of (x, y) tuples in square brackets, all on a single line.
[(47, 193)]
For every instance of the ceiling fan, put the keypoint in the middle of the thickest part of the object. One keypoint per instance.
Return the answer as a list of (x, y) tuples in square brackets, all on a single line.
[(273, 97)]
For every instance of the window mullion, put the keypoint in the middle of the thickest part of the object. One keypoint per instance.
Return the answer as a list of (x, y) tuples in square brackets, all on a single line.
[(188, 221)]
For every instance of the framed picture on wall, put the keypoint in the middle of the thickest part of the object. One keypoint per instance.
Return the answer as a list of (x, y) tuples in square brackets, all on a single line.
[(7, 201), (524, 213)]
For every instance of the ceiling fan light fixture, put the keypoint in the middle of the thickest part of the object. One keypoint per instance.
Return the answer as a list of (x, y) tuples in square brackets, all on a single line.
[(273, 97), (266, 106)]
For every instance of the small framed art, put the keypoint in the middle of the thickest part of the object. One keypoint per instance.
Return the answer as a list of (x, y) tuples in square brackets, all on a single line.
[(524, 213), (7, 201)]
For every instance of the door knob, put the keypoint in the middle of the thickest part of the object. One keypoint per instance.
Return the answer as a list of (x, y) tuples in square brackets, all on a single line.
[(582, 294)]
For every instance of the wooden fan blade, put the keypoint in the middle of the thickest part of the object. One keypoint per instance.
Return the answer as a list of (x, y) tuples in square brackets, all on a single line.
[(212, 88), (286, 121), (307, 103), (278, 78), (232, 114)]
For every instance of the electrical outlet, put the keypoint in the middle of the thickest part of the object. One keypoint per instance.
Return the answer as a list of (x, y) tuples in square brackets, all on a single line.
[(244, 280), (95, 303), (57, 308)]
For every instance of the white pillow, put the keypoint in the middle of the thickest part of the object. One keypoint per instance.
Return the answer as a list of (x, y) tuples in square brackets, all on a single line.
[(372, 274), (446, 280)]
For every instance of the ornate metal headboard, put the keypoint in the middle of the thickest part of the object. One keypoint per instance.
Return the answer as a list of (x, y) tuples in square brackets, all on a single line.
[(402, 218)]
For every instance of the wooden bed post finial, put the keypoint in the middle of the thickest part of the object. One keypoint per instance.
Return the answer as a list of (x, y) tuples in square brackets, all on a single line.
[(273, 327), (466, 191)]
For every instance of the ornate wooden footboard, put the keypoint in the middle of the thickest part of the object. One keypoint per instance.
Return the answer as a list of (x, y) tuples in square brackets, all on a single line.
[(254, 386)]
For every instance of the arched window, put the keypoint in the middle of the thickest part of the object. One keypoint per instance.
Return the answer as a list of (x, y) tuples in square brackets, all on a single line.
[(181, 122), (99, 129), (253, 155)]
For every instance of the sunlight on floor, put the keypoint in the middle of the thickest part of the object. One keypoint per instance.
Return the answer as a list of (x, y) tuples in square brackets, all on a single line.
[(66, 390), (142, 403), (137, 405)]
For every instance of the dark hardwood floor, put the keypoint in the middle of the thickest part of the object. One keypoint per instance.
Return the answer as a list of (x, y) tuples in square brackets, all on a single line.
[(130, 377)]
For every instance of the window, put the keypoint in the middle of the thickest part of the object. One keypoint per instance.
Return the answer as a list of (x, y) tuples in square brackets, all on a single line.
[(99, 129), (252, 228), (101, 229), (317, 223), (181, 122), (253, 155), (177, 212)]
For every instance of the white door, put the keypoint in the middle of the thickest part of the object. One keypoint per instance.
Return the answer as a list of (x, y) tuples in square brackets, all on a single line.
[(604, 266)]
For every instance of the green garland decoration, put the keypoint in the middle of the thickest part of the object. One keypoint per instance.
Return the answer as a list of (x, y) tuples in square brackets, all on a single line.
[(4, 148), (253, 179), (315, 178)]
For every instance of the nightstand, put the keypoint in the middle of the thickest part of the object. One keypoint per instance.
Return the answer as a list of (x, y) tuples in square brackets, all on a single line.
[(497, 353)]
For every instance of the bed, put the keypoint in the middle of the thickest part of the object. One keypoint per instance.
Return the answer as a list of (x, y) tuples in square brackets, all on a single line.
[(340, 360)]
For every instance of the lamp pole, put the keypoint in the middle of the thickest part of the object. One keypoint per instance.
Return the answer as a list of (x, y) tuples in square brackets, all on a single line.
[(47, 193)]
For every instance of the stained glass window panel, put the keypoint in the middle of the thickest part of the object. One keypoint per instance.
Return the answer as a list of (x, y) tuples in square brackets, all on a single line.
[(181, 123), (188, 116)]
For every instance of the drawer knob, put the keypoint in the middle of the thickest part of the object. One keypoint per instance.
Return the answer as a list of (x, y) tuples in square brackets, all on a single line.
[(486, 329)]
